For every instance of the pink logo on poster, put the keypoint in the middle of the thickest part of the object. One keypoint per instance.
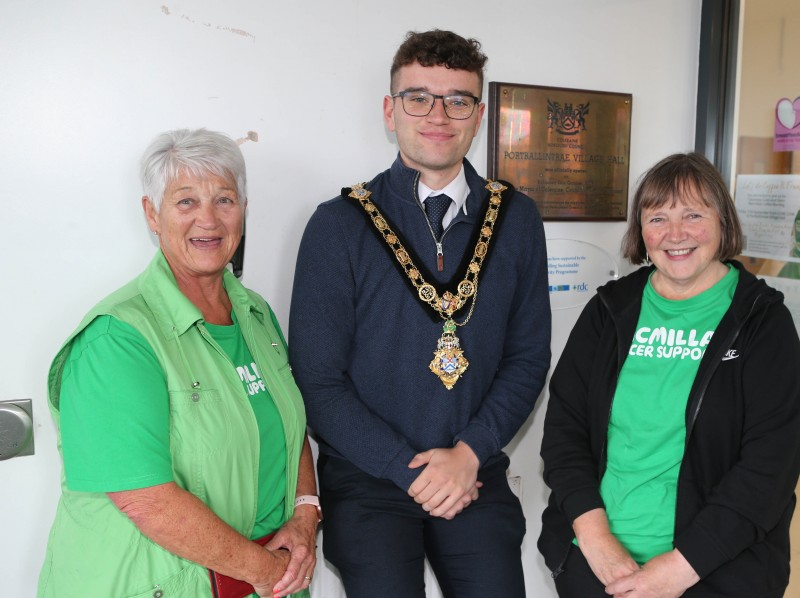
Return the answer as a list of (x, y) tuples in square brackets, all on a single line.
[(787, 125)]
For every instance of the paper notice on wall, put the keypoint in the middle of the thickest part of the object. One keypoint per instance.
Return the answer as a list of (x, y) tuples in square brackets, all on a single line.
[(769, 210), (575, 269)]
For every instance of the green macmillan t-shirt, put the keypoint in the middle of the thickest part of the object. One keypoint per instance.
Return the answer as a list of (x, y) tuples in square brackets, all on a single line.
[(115, 416), (647, 430)]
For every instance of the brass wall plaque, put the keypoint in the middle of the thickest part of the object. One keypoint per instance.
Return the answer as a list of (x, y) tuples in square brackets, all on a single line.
[(568, 149)]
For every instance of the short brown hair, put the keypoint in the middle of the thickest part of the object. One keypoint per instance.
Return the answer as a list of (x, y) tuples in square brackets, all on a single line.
[(439, 48), (676, 178)]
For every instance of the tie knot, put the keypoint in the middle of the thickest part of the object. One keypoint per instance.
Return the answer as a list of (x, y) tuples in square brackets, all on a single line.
[(436, 207)]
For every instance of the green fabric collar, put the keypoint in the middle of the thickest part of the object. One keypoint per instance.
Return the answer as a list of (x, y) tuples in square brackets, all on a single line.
[(173, 309)]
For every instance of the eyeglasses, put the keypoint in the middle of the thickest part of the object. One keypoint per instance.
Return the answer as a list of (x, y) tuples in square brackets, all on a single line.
[(420, 103)]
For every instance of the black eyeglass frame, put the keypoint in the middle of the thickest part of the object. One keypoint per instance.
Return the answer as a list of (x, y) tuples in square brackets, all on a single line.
[(402, 95)]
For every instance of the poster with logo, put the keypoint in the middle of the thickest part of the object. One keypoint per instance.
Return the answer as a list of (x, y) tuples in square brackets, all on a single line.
[(787, 125), (568, 149)]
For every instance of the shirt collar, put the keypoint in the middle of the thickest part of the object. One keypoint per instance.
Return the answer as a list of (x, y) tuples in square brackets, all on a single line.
[(457, 190)]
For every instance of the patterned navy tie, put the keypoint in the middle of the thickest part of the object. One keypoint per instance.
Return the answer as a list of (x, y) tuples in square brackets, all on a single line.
[(435, 207)]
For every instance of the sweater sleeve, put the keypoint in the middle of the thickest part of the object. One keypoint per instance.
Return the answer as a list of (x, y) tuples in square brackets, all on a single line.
[(753, 495), (570, 459), (321, 331), (525, 362)]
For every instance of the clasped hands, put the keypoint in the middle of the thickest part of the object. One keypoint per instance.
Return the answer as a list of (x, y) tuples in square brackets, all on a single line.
[(667, 575), (295, 546), (449, 482)]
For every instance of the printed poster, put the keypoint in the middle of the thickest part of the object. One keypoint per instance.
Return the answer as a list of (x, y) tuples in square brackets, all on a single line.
[(769, 210)]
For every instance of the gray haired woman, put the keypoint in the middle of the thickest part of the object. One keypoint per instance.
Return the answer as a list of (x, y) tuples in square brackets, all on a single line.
[(186, 463)]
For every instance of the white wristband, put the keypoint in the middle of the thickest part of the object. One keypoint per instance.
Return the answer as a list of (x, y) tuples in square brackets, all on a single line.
[(309, 499)]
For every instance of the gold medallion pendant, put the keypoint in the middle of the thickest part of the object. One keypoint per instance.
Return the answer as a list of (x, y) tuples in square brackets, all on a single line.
[(449, 361)]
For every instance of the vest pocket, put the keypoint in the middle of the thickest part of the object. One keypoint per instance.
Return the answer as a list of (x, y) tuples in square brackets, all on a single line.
[(199, 422), (192, 580)]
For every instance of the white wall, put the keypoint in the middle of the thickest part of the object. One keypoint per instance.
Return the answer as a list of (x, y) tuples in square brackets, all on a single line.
[(85, 85)]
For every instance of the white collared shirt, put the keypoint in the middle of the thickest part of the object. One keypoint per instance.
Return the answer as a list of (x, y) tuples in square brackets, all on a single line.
[(457, 190)]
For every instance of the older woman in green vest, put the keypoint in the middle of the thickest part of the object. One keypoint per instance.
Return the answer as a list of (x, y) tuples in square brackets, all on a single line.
[(187, 470)]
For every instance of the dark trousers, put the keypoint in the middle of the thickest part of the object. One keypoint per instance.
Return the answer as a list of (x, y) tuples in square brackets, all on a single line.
[(577, 579), (378, 537)]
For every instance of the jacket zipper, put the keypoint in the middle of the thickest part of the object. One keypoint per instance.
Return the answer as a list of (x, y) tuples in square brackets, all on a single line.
[(620, 363), (438, 242), (560, 568), (701, 394), (698, 402)]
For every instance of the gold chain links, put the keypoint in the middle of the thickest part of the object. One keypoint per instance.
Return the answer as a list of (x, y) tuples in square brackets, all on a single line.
[(448, 303)]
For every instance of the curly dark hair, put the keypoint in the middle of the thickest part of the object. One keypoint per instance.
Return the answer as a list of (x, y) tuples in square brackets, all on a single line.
[(439, 48)]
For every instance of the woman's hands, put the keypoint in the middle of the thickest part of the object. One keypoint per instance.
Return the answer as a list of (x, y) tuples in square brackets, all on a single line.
[(667, 575), (267, 588), (181, 523), (298, 536), (607, 558)]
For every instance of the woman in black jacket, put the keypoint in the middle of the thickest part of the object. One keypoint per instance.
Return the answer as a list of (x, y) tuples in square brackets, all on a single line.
[(672, 436)]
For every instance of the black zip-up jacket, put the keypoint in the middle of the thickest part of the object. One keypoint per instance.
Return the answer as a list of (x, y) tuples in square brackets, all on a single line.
[(742, 455)]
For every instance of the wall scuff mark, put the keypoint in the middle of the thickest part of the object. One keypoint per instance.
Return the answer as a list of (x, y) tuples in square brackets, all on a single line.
[(251, 136), (234, 30)]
